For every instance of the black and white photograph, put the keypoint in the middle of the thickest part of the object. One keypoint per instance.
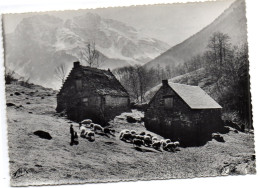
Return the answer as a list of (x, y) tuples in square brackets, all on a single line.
[(128, 93)]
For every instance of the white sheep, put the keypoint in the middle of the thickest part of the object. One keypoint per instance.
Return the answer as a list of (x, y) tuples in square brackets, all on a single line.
[(96, 127), (86, 121), (176, 143), (154, 139), (147, 140), (83, 131), (138, 136), (156, 145), (163, 143), (126, 136), (169, 146), (133, 132), (123, 132), (90, 135)]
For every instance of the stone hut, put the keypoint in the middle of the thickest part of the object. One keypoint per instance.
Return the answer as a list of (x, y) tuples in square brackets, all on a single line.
[(184, 113), (92, 93)]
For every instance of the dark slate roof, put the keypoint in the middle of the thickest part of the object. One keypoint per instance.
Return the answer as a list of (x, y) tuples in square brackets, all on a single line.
[(194, 96), (104, 82)]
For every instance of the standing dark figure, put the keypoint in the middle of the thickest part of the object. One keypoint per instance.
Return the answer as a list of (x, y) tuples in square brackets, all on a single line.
[(76, 139), (71, 135), (80, 124)]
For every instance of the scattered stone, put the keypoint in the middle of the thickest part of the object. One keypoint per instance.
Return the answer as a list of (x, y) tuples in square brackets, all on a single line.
[(218, 137), (30, 112), (10, 104), (20, 105), (253, 157), (49, 95), (28, 103), (26, 98), (20, 172), (38, 165), (11, 94), (42, 97), (17, 93), (130, 119), (43, 134), (22, 92), (235, 131)]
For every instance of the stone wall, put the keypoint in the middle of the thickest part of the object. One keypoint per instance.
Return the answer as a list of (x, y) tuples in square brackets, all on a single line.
[(116, 101), (190, 127)]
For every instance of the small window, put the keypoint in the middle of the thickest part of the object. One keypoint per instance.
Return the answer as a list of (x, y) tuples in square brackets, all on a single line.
[(79, 85), (168, 103), (85, 101)]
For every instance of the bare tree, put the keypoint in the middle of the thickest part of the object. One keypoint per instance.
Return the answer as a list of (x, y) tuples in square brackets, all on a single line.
[(90, 55), (61, 72)]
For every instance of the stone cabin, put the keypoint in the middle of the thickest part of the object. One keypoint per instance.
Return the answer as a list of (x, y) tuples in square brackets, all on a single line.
[(184, 113), (92, 93)]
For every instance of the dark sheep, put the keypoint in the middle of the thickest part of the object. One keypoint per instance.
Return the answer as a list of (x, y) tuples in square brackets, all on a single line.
[(138, 142)]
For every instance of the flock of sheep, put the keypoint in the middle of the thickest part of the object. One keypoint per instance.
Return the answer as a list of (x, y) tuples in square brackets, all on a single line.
[(88, 130), (147, 140)]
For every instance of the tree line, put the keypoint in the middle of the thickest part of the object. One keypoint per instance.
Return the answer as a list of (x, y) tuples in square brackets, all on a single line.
[(227, 64)]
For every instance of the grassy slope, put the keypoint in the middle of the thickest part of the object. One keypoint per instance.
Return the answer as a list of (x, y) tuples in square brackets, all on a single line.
[(106, 159)]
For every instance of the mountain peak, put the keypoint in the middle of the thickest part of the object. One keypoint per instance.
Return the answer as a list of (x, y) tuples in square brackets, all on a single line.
[(232, 22)]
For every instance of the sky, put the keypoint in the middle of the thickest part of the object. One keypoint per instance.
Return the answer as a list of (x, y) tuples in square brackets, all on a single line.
[(171, 23)]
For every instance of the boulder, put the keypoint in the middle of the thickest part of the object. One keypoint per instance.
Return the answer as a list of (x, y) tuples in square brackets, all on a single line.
[(10, 104), (43, 134), (130, 119)]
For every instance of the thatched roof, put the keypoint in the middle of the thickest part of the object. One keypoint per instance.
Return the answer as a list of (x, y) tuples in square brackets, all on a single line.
[(194, 96), (103, 81)]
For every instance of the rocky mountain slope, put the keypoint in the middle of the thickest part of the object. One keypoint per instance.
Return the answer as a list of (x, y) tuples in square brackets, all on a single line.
[(42, 42), (232, 22)]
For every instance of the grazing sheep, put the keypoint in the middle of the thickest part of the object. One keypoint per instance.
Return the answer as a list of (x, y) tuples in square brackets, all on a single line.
[(154, 139), (147, 141), (163, 143), (138, 136), (123, 132), (83, 131), (90, 135), (86, 121), (138, 142), (176, 143), (133, 132), (168, 141), (169, 147), (156, 145), (109, 131), (126, 136), (96, 127), (142, 133)]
